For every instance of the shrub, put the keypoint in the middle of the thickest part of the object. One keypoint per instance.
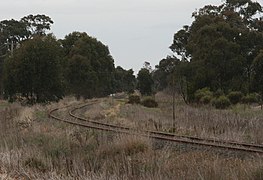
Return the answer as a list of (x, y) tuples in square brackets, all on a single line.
[(206, 99), (221, 103), (201, 93), (149, 102), (218, 93), (134, 99), (251, 98), (235, 97)]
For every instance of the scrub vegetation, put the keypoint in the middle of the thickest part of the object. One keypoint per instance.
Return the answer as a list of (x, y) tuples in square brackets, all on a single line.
[(34, 146), (211, 87)]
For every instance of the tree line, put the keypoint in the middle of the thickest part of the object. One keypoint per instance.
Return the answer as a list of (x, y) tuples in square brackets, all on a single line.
[(37, 67), (221, 51)]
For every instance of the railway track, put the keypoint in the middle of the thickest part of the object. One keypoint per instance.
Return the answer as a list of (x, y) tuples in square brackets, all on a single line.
[(213, 143)]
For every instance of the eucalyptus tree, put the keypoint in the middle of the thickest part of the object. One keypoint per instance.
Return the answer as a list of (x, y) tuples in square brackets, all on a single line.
[(221, 45), (37, 24), (124, 80), (164, 71), (96, 66), (11, 32), (14, 32), (145, 81), (34, 71)]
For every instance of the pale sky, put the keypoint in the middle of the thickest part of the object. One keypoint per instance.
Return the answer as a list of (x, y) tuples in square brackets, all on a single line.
[(134, 30)]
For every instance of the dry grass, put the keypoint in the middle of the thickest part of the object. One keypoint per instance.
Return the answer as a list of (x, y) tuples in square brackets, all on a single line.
[(46, 149), (240, 123)]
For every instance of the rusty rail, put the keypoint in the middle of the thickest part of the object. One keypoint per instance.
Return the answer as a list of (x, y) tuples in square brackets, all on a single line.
[(215, 143)]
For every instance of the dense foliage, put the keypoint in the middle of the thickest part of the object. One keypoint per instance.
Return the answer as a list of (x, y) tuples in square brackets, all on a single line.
[(13, 32), (220, 50), (219, 55), (90, 68), (39, 68), (235, 97), (124, 80), (221, 102), (34, 71), (145, 81)]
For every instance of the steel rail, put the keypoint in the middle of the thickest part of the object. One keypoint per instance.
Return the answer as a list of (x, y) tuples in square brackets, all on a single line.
[(88, 123), (158, 133)]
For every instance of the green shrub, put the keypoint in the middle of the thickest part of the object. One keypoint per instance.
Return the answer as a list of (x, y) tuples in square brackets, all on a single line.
[(251, 98), (235, 97), (201, 93), (149, 102), (218, 93), (206, 99), (221, 103), (134, 99)]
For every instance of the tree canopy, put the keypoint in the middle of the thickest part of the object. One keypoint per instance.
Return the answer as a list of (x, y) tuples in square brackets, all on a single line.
[(34, 72), (90, 70), (219, 49), (37, 67), (124, 80), (145, 82), (14, 32)]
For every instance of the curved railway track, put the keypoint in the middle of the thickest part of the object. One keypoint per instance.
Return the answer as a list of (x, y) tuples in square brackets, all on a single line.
[(213, 143)]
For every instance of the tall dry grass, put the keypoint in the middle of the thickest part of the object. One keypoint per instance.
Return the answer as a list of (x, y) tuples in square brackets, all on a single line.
[(46, 149), (239, 123)]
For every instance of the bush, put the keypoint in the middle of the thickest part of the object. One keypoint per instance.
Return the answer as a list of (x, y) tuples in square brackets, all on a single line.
[(251, 98), (206, 99), (235, 97), (218, 93), (203, 94), (149, 102), (134, 99), (221, 103)]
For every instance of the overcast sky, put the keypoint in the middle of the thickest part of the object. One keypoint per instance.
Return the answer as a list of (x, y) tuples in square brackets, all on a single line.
[(135, 30)]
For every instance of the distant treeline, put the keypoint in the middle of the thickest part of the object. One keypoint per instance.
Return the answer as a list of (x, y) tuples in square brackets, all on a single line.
[(39, 68), (220, 52)]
